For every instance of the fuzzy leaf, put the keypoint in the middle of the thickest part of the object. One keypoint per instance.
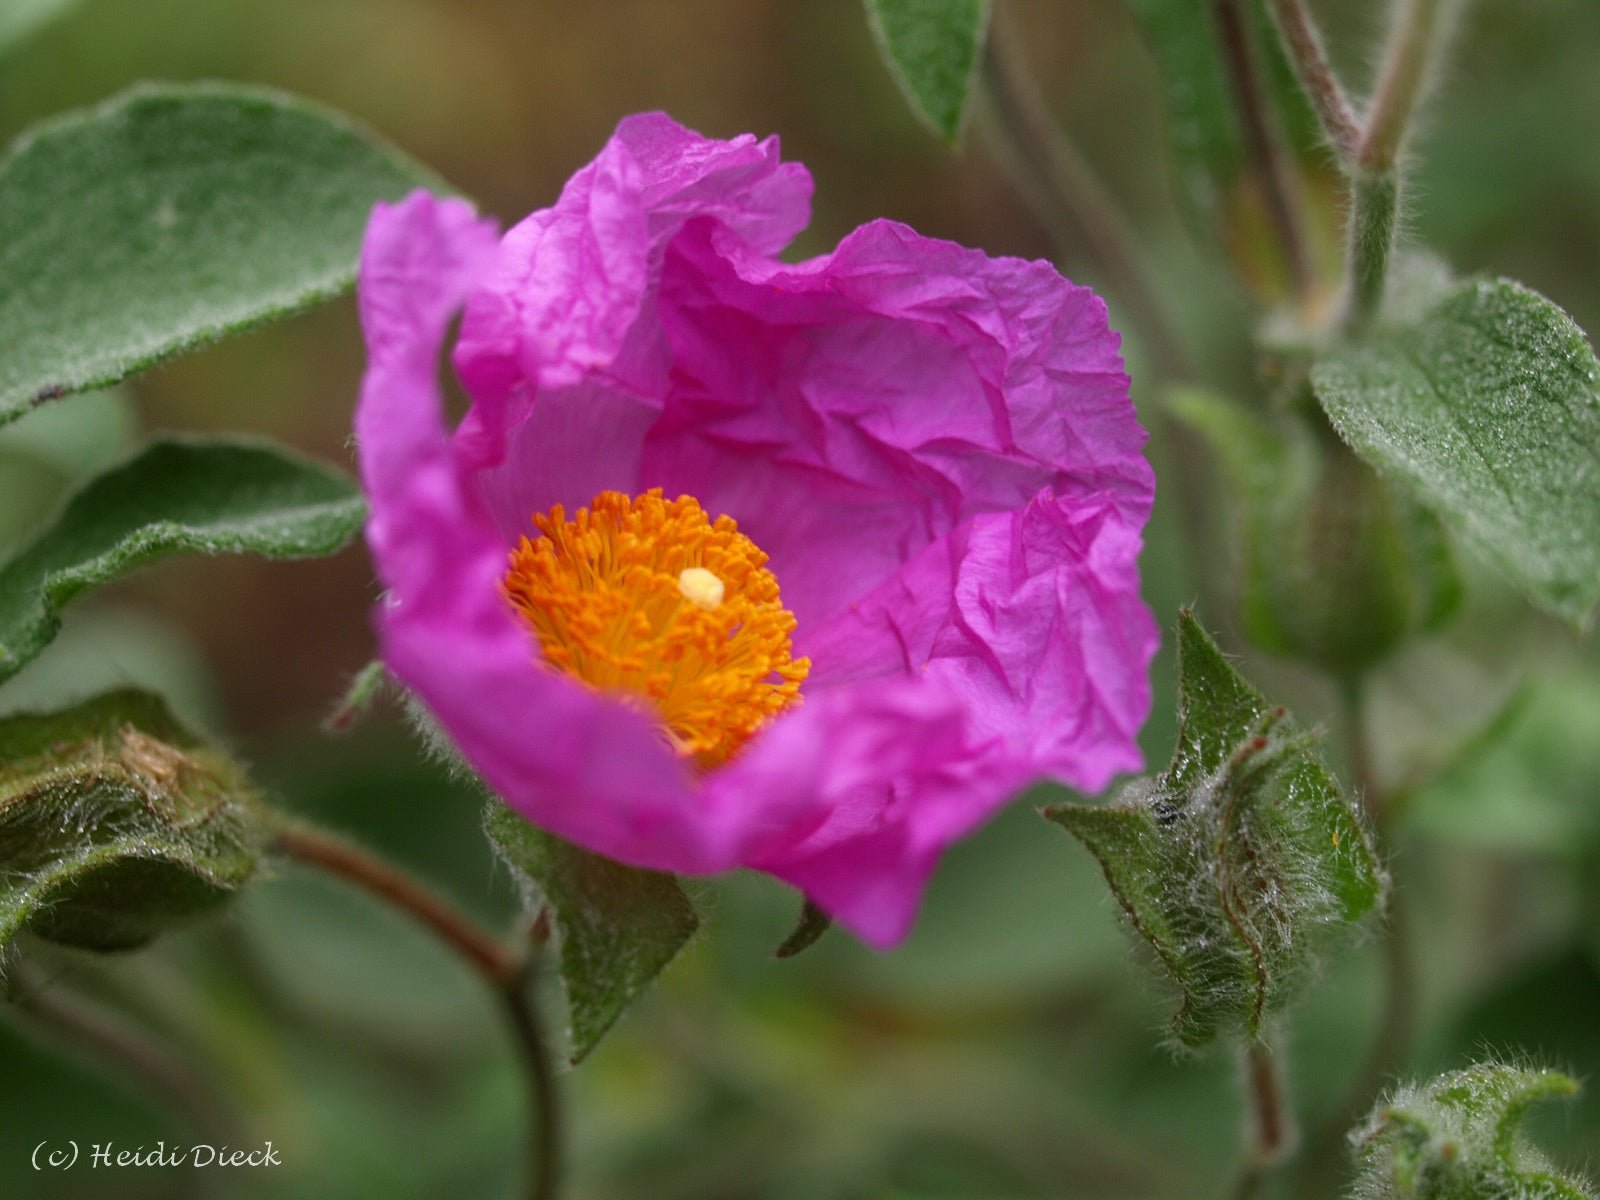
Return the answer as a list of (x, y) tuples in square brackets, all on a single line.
[(1337, 567), (207, 496), (1207, 147), (116, 823), (618, 925), (1241, 860), (1488, 406), (169, 217), (1459, 1137), (932, 48), (21, 18)]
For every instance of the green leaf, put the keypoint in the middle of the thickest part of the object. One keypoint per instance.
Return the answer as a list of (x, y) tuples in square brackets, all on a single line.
[(1338, 568), (169, 217), (116, 823), (207, 496), (1207, 147), (932, 48), (618, 925), (1217, 183), (1241, 861), (1488, 407), (1458, 1137), (19, 19)]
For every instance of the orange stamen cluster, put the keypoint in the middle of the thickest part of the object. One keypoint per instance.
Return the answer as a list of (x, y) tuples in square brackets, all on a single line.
[(650, 598)]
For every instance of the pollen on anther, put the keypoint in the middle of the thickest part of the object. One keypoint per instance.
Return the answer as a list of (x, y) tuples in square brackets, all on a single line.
[(653, 601)]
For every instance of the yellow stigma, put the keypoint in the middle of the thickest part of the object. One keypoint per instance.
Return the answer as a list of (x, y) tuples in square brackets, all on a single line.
[(650, 598), (701, 588)]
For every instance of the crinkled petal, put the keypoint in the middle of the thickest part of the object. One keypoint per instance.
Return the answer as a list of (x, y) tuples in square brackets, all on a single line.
[(882, 776), (936, 449), (581, 766), (1033, 618), (567, 313), (854, 409)]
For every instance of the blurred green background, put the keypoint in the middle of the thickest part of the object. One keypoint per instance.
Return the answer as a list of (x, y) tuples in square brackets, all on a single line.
[(1013, 1048)]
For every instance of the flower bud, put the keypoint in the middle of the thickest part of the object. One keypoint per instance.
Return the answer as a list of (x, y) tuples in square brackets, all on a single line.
[(116, 824), (1459, 1135), (1337, 567)]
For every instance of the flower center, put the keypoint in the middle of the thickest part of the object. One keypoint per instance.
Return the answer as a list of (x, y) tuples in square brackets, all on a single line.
[(651, 598)]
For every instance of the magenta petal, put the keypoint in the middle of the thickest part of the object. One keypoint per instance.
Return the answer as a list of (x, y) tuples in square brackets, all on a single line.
[(1034, 619), (1050, 643), (586, 768), (893, 776), (936, 448), (859, 406), (571, 295)]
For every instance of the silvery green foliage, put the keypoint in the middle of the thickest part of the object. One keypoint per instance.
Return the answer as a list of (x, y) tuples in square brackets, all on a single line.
[(1486, 404), (932, 48), (176, 495), (1241, 861), (170, 216), (116, 823), (1459, 1137), (619, 926)]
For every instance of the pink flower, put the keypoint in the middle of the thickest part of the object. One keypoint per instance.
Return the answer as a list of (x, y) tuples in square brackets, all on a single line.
[(934, 450)]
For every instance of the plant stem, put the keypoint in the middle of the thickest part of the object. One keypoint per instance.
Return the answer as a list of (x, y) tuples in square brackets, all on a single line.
[(506, 972), (1408, 56), (1303, 41), (1064, 193), (1390, 1046), (1392, 1039), (1374, 216), (488, 956), (1279, 179), (107, 1036), (1273, 1126), (1412, 46), (544, 1148), (1363, 762)]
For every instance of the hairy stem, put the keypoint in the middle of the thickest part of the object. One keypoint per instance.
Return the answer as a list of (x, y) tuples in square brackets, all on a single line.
[(1374, 217), (1064, 193), (1391, 1045), (1279, 178), (1414, 39), (487, 955), (1407, 61), (544, 1147), (104, 1036), (1272, 1125), (1303, 41), (505, 971), (1392, 1040)]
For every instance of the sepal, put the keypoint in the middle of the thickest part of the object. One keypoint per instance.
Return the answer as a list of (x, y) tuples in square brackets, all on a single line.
[(1459, 1137), (1241, 861), (116, 823), (618, 926)]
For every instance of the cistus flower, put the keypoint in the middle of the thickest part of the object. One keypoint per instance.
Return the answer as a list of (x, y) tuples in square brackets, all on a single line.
[(805, 567)]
